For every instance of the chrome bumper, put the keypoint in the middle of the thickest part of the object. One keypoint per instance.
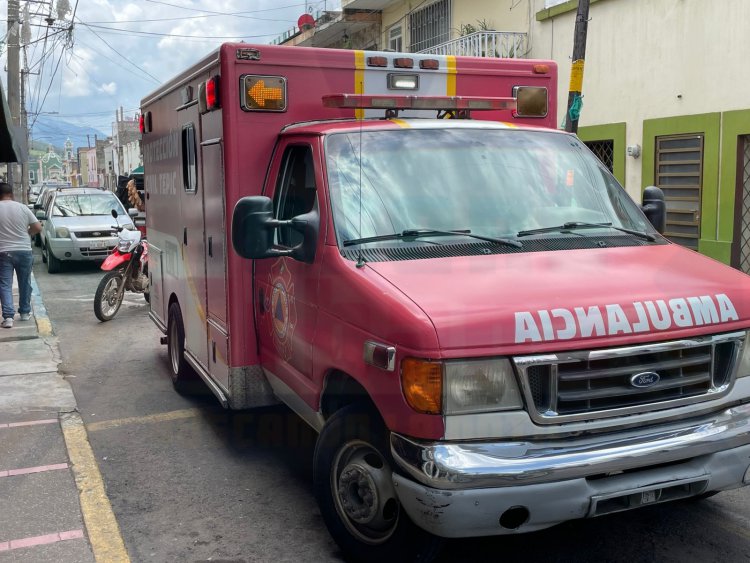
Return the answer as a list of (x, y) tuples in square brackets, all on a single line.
[(471, 465), (480, 489)]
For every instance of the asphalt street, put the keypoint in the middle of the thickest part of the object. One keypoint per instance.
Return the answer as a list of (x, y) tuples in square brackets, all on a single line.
[(189, 481)]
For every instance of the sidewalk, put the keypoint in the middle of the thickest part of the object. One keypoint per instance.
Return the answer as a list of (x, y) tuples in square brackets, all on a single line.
[(45, 458)]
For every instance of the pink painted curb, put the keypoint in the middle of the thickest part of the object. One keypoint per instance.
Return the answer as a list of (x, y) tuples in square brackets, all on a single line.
[(41, 540)]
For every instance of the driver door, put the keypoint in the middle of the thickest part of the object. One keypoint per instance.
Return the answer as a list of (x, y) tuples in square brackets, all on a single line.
[(287, 293)]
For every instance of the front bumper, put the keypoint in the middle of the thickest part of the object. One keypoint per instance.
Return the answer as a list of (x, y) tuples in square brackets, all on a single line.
[(82, 249), (464, 489)]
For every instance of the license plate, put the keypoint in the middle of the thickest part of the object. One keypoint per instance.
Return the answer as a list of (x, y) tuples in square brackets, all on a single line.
[(98, 244)]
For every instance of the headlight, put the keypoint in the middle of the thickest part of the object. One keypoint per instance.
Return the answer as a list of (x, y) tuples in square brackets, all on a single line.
[(743, 369), (480, 386), (62, 232), (123, 245), (460, 387)]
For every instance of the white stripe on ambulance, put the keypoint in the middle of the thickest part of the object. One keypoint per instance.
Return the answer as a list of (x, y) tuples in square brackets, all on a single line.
[(610, 320)]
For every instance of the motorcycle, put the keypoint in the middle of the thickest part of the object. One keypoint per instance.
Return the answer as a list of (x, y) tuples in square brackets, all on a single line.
[(127, 269)]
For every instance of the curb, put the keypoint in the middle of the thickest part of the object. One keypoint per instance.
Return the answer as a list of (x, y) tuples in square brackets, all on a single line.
[(105, 537), (43, 324)]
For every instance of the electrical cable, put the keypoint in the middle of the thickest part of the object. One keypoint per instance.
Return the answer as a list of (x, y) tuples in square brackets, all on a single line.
[(126, 69), (226, 13), (138, 32), (122, 56)]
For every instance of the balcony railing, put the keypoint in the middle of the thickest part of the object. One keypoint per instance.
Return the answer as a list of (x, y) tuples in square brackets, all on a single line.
[(498, 44)]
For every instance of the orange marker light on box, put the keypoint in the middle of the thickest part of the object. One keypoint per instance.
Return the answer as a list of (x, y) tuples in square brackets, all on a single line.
[(264, 93)]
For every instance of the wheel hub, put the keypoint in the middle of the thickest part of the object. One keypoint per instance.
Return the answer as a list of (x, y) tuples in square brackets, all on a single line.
[(358, 493)]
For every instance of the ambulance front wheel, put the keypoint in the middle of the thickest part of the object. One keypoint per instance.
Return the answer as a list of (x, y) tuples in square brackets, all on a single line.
[(180, 371), (352, 479)]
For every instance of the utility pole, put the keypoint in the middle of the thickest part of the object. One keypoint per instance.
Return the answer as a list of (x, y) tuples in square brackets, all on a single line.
[(25, 128), (573, 111), (14, 83)]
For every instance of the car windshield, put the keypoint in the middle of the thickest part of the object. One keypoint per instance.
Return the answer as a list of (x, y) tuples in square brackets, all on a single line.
[(493, 183), (85, 204)]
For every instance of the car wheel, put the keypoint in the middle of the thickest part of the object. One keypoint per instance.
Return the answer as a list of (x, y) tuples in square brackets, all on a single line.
[(54, 266), (352, 480)]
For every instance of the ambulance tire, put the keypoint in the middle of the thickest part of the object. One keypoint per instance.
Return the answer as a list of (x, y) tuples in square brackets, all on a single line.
[(183, 376), (352, 455)]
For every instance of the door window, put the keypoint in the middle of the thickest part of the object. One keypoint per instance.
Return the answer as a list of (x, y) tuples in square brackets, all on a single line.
[(189, 168), (295, 192)]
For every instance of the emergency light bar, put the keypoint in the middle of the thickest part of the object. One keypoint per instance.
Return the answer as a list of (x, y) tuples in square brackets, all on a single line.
[(395, 102)]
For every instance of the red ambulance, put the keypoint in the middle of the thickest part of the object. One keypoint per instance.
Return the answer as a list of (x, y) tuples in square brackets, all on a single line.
[(488, 334)]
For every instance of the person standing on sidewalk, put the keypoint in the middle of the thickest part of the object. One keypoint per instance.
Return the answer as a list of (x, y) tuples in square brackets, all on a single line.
[(17, 225)]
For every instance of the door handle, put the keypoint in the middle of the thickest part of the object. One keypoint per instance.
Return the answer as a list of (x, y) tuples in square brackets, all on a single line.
[(184, 236), (211, 246)]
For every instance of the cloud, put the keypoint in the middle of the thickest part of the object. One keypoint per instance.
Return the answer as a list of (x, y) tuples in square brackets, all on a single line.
[(122, 50), (108, 88)]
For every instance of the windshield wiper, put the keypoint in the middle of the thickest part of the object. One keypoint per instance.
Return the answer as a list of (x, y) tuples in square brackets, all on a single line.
[(411, 234), (574, 225)]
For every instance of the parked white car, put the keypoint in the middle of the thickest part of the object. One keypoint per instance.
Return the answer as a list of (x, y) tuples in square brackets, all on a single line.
[(78, 226)]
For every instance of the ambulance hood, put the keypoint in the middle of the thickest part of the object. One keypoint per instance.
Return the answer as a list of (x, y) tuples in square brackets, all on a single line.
[(545, 301)]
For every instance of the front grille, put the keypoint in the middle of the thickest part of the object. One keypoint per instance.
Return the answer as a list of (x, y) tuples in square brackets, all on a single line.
[(599, 383), (104, 233), (97, 252)]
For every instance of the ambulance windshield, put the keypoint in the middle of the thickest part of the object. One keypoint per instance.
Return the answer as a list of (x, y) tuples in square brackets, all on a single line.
[(495, 183)]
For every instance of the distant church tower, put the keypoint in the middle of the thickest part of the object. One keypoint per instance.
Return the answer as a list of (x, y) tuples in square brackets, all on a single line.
[(68, 164)]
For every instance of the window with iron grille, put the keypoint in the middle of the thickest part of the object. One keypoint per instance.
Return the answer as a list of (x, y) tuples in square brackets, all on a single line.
[(679, 169), (430, 26), (604, 151), (742, 207)]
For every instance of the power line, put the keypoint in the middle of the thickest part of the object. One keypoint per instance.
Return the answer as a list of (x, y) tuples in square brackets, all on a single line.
[(137, 32), (126, 69), (123, 57), (227, 13), (183, 18)]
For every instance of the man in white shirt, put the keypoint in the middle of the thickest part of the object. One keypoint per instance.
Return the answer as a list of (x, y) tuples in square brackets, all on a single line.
[(17, 225)]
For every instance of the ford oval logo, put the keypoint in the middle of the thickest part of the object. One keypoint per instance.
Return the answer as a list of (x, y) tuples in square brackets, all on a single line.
[(96, 234), (645, 379)]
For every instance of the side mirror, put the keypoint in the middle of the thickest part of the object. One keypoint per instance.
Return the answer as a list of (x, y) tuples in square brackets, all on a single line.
[(114, 213), (133, 212), (654, 208), (40, 215), (252, 227), (308, 224)]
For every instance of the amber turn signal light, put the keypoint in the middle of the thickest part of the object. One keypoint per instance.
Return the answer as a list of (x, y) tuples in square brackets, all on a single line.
[(422, 385)]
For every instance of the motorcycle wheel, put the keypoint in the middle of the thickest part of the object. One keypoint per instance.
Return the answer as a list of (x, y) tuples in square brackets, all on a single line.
[(108, 297)]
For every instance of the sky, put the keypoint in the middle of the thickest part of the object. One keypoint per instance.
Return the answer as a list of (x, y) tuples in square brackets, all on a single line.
[(120, 50)]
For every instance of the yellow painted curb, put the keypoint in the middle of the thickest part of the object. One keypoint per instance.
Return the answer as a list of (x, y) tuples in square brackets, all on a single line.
[(148, 419), (44, 327), (101, 525)]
